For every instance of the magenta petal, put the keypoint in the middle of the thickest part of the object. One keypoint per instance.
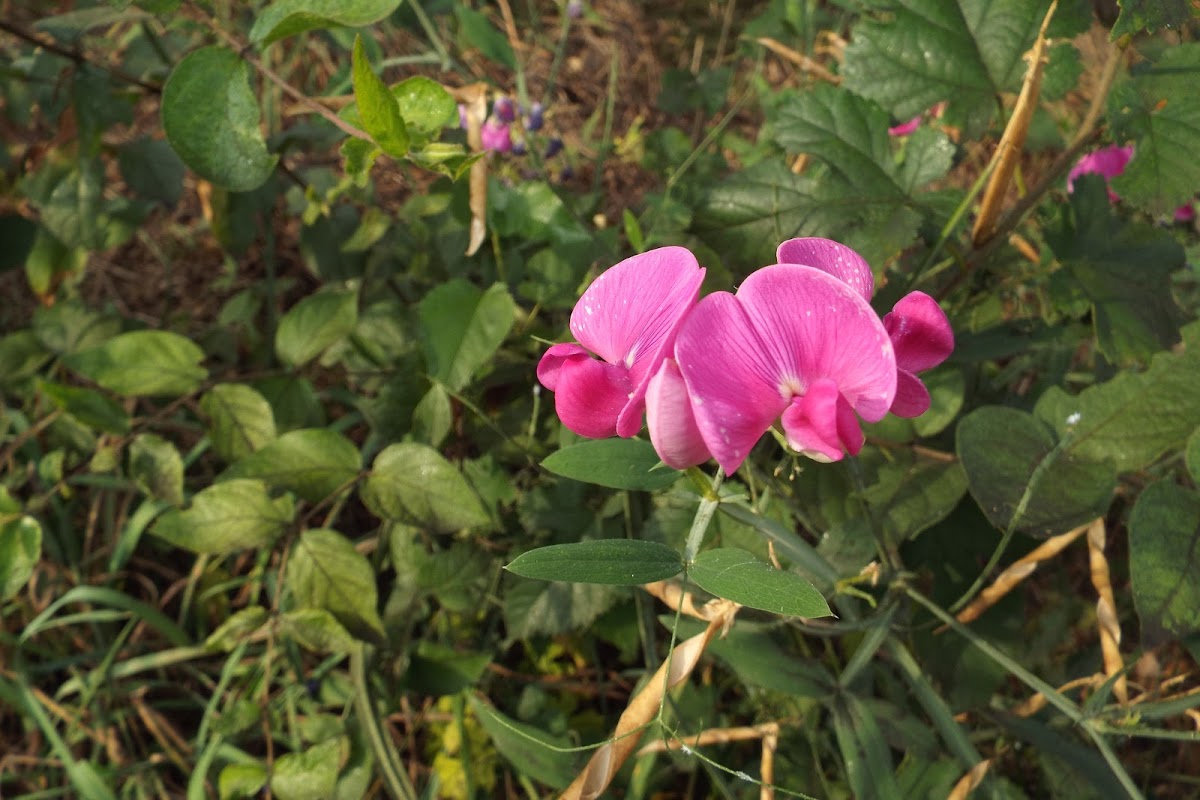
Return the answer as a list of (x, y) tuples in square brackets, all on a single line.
[(1107, 161), (815, 326), (733, 388), (630, 314), (920, 332), (821, 425), (550, 367), (589, 395), (832, 257), (905, 128), (673, 429), (912, 398)]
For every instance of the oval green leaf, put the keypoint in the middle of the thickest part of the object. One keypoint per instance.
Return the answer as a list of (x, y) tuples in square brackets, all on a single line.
[(738, 576), (326, 572), (315, 323), (615, 463), (227, 517), (285, 18), (377, 108), (240, 420), (313, 462), (414, 484), (618, 562), (143, 363), (1164, 548), (210, 116)]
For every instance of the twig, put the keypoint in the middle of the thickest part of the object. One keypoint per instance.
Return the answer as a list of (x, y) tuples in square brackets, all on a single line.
[(1106, 611), (75, 55)]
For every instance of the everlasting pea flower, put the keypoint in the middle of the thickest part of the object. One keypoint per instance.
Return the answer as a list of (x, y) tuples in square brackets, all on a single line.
[(905, 128), (629, 317), (1107, 161), (798, 343), (494, 135)]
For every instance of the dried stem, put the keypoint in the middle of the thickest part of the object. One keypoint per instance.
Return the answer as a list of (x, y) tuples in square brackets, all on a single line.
[(1106, 611)]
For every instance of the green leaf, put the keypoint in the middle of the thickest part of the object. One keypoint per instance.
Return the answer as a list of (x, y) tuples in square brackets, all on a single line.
[(285, 18), (474, 30), (615, 463), (1134, 418), (211, 116), (152, 170), (915, 493), (236, 628), (437, 670), (20, 547), (917, 53), (1021, 474), (226, 517), (377, 108), (312, 773), (78, 216), (240, 420), (1159, 109), (90, 407), (1150, 15), (739, 576), (425, 106), (1192, 455), (462, 327), (414, 484), (530, 750), (540, 608), (143, 363), (1124, 271), (1164, 554), (157, 468), (620, 562), (317, 630), (326, 572), (312, 462), (241, 781), (315, 323)]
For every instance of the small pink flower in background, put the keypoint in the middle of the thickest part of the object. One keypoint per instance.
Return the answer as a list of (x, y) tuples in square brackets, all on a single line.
[(905, 128), (629, 317), (1185, 213), (1107, 161), (495, 135)]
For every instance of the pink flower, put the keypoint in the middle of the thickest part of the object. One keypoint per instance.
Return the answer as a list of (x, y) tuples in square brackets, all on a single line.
[(1107, 161), (905, 128), (797, 344), (494, 135), (1185, 213), (629, 317)]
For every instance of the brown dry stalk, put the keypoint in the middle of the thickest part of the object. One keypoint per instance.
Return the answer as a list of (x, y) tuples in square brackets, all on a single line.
[(1016, 572), (674, 597), (641, 711), (1106, 611), (1008, 152), (473, 98), (712, 736), (970, 782), (1038, 701), (805, 63)]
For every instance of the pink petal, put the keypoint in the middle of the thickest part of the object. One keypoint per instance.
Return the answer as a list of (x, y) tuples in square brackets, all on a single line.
[(550, 367), (733, 391), (821, 425), (1107, 161), (630, 314), (905, 128), (817, 327), (1185, 213), (832, 257), (494, 135), (920, 332), (673, 430), (912, 398), (589, 394)]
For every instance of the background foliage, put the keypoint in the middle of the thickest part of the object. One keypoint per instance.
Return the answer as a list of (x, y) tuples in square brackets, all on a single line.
[(271, 430)]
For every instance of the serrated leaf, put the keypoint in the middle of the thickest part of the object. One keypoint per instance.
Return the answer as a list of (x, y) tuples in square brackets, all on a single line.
[(619, 562), (531, 751), (739, 576), (227, 517), (211, 117), (1150, 15), (462, 327), (1164, 549), (1158, 109), (142, 363), (922, 52), (1134, 418), (377, 108), (475, 30), (1015, 463), (1192, 455), (1124, 270), (284, 18), (310, 774), (425, 105), (315, 323), (317, 630), (414, 484), (90, 407), (538, 608), (312, 462), (240, 420), (157, 468), (326, 572), (615, 463)]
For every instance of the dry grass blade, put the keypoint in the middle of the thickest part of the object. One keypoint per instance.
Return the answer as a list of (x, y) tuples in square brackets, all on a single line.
[(473, 99), (642, 709), (1106, 610), (802, 61), (1008, 153), (970, 782), (1016, 572)]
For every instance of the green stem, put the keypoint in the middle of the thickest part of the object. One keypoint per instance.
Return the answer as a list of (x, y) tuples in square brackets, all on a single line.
[(394, 776), (704, 515)]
